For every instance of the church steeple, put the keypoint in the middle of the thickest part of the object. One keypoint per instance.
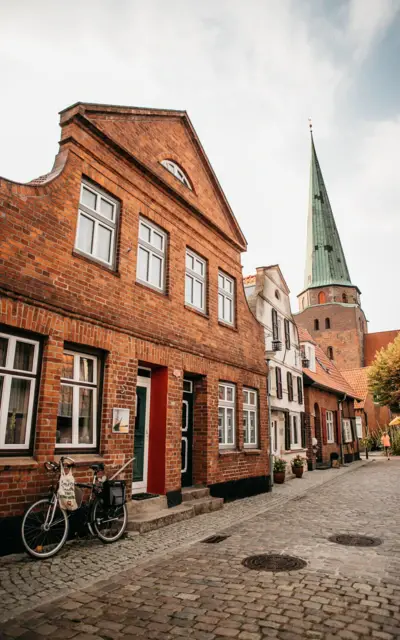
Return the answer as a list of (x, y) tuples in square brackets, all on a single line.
[(325, 261)]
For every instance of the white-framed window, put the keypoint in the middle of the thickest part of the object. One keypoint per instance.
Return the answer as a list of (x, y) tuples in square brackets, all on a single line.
[(226, 415), (195, 281), (295, 439), (176, 171), (97, 224), (18, 382), (250, 418), (274, 434), (226, 298), (329, 427), (77, 407), (359, 429), (151, 255)]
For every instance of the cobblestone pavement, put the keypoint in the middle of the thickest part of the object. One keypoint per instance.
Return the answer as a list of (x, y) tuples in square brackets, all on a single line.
[(203, 592)]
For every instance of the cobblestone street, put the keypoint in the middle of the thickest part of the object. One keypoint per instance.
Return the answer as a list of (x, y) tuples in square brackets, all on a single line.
[(167, 584)]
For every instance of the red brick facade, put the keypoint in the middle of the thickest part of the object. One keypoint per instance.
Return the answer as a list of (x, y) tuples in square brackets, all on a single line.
[(49, 289), (335, 324)]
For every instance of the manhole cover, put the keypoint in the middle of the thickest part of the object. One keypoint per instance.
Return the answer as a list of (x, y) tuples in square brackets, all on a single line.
[(274, 562), (215, 539), (355, 541)]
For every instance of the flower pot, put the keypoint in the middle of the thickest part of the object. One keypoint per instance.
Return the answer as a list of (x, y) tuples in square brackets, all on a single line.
[(298, 471), (279, 477)]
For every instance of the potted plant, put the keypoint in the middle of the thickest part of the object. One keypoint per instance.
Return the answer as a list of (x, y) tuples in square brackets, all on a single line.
[(298, 466), (279, 470)]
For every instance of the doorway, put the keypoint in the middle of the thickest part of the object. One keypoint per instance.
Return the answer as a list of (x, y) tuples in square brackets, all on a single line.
[(141, 436), (318, 432), (187, 434)]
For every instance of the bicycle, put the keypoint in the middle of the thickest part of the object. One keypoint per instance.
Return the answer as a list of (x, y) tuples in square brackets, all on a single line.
[(45, 525)]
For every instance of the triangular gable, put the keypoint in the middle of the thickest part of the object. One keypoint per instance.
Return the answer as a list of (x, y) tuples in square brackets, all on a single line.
[(153, 135), (275, 273)]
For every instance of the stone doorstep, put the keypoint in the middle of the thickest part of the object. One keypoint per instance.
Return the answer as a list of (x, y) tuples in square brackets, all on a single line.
[(155, 520), (141, 507), (205, 505), (194, 493)]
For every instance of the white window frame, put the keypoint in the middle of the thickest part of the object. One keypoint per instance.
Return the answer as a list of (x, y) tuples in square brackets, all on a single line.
[(250, 410), (330, 433), (195, 276), (359, 427), (153, 252), (99, 220), (295, 432), (275, 436), (224, 407), (176, 171), (8, 373), (225, 295), (77, 384)]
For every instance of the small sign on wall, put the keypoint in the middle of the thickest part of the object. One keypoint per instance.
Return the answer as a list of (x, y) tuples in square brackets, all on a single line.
[(120, 421), (347, 434)]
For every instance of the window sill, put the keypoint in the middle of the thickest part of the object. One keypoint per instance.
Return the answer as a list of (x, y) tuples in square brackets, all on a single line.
[(202, 314), (149, 287), (229, 452), (18, 462), (331, 442), (252, 452), (228, 326), (296, 450), (82, 256), (81, 459)]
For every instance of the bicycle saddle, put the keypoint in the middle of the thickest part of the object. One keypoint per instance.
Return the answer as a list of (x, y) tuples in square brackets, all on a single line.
[(97, 467)]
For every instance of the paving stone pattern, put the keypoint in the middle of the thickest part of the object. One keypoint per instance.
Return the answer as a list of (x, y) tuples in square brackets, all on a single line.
[(203, 591)]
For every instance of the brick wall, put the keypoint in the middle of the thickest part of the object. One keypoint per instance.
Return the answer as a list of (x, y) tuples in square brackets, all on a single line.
[(49, 289)]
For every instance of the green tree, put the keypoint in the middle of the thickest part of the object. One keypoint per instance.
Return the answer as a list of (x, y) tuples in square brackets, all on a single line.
[(384, 376)]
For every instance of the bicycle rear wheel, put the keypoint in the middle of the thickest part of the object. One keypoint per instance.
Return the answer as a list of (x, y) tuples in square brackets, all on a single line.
[(39, 542), (109, 522)]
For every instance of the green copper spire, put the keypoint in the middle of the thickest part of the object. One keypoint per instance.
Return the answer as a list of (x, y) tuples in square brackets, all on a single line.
[(325, 263)]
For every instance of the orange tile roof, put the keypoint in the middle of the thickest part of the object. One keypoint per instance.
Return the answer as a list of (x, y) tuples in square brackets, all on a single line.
[(374, 342), (358, 379), (249, 280), (326, 374)]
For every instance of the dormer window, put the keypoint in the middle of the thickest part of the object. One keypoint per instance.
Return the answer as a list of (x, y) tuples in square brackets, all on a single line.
[(176, 171)]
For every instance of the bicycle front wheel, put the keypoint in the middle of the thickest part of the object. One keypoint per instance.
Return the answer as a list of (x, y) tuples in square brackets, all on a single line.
[(43, 541), (109, 522)]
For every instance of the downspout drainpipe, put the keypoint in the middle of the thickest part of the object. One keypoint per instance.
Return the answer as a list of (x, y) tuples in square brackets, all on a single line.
[(271, 455), (341, 427)]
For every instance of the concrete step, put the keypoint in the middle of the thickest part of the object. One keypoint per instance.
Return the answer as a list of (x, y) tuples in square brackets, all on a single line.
[(151, 505), (205, 505), (195, 493), (145, 522)]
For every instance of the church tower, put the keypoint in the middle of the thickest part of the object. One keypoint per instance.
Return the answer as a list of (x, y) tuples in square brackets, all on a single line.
[(330, 305)]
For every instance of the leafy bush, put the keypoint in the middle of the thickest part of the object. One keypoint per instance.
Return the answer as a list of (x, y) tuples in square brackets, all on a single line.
[(280, 465), (395, 441)]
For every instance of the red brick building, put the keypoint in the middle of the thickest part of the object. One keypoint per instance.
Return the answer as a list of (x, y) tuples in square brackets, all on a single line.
[(371, 415), (121, 289), (329, 407)]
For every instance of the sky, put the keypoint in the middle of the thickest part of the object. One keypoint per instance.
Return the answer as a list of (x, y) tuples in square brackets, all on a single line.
[(249, 73)]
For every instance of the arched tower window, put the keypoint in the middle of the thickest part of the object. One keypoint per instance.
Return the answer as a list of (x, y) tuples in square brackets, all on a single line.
[(321, 297), (344, 297), (316, 325), (330, 353), (327, 323), (176, 171)]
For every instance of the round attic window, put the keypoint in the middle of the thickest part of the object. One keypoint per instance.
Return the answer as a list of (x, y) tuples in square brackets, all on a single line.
[(277, 294)]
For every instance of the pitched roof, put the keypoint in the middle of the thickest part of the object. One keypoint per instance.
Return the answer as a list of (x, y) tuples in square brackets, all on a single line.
[(374, 342), (325, 261), (145, 137), (326, 374), (358, 379), (249, 280)]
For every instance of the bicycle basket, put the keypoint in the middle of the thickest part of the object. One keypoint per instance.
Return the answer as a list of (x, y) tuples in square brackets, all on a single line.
[(113, 493)]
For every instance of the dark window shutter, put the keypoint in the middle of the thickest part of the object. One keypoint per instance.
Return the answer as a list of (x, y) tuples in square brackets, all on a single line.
[(290, 386), (287, 431), (287, 334), (323, 426), (338, 429), (275, 335), (303, 429), (300, 390), (278, 383)]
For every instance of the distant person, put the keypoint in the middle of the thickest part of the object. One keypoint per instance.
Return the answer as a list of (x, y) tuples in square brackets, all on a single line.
[(385, 441)]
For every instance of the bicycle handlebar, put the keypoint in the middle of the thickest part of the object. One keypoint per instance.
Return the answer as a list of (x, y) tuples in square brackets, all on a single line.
[(53, 466)]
